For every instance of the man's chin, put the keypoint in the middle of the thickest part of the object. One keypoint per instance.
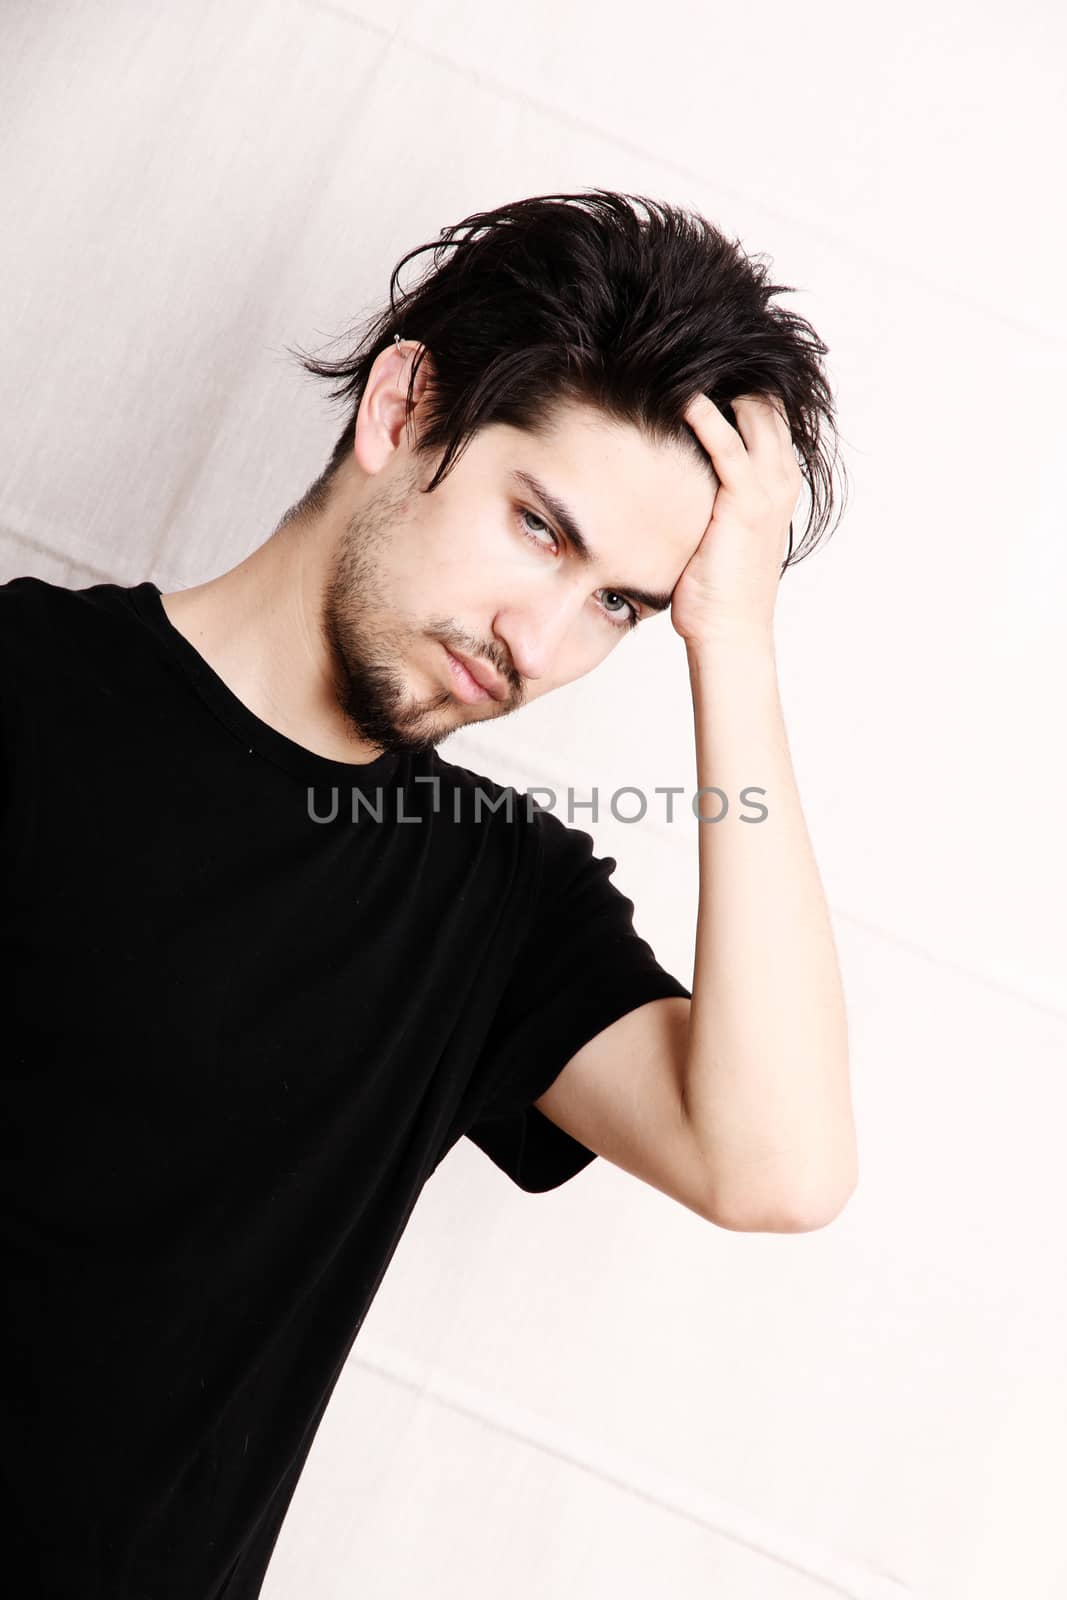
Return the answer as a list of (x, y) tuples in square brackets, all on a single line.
[(416, 741)]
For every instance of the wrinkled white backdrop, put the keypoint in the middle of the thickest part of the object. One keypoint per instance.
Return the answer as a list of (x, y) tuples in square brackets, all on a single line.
[(593, 1392)]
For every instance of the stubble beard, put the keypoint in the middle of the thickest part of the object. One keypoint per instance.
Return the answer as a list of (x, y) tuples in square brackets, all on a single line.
[(367, 653)]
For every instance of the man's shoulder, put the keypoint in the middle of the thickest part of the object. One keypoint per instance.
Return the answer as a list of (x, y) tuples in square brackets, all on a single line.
[(29, 609), (464, 793), (60, 648), (28, 597), (468, 794), (33, 609)]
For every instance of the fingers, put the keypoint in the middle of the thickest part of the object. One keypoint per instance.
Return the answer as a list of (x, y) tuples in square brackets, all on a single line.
[(762, 416), (762, 427)]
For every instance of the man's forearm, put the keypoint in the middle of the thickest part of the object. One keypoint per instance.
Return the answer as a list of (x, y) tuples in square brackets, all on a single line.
[(767, 1078)]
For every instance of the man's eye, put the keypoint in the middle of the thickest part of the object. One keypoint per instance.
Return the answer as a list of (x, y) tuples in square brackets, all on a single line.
[(523, 513), (627, 618)]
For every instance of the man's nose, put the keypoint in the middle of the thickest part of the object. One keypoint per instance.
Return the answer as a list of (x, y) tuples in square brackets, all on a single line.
[(534, 634)]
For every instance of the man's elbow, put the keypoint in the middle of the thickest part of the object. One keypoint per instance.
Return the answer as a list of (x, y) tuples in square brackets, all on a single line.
[(792, 1215)]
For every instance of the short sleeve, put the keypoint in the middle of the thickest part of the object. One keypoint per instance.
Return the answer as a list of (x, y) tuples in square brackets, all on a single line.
[(580, 966)]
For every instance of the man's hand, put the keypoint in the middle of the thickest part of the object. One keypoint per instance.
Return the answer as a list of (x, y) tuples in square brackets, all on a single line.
[(730, 583)]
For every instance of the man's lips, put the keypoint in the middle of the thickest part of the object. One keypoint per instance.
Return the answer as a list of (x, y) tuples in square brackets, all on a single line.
[(476, 675)]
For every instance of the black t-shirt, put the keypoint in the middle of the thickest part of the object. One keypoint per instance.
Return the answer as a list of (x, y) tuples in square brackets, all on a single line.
[(251, 998)]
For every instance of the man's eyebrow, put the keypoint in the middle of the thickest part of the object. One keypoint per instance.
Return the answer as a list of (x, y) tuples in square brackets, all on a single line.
[(574, 535)]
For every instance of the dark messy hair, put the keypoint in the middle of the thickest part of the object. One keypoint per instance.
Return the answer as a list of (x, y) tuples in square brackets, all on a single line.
[(578, 297)]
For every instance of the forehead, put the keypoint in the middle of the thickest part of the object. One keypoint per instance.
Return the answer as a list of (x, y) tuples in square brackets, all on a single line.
[(642, 505)]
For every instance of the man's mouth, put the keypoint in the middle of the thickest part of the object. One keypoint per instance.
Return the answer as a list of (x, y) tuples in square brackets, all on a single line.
[(465, 685)]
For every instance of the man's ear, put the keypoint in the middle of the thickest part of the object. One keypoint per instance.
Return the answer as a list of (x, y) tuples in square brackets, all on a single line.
[(383, 409)]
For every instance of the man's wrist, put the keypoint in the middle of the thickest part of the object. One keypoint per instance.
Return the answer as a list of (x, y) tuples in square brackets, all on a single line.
[(731, 641)]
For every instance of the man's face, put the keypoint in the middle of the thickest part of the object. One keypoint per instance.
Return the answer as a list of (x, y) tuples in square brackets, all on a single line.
[(485, 566)]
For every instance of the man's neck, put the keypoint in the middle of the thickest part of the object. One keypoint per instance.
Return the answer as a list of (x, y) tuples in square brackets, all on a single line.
[(258, 627)]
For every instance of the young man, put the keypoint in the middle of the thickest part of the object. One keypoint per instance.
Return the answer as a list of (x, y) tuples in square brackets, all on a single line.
[(268, 957)]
